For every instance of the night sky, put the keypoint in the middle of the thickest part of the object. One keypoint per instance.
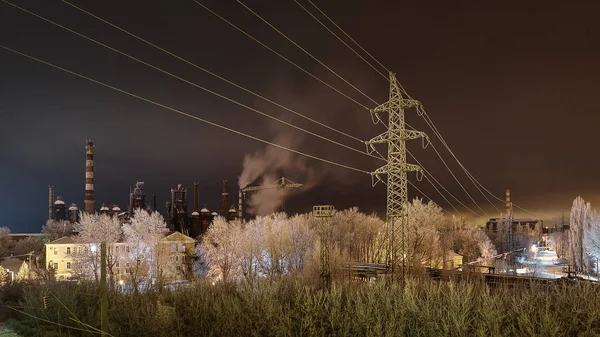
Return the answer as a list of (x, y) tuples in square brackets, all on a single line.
[(512, 86)]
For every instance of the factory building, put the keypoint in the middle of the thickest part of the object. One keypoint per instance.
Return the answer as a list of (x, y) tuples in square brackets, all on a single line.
[(177, 214)]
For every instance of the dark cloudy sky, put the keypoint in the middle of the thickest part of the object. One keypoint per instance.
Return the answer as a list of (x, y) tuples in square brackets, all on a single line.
[(511, 85)]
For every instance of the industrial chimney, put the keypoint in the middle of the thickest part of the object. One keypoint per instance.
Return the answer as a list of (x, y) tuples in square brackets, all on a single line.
[(50, 202), (508, 203), (224, 196), (89, 177)]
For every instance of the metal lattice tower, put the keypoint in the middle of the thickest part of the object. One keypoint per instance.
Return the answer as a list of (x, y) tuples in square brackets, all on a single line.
[(396, 168), (324, 212)]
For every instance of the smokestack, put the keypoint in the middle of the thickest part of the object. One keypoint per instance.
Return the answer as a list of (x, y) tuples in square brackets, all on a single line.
[(89, 177), (50, 202), (240, 210), (196, 197), (224, 197), (508, 203)]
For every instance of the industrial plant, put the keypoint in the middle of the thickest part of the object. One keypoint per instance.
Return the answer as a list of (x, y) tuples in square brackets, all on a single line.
[(176, 211)]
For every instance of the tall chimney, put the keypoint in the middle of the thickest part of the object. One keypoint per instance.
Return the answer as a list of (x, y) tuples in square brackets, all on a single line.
[(50, 202), (89, 177), (240, 201), (224, 201), (508, 203), (196, 197)]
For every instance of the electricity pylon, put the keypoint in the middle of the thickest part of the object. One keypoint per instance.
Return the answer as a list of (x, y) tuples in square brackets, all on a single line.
[(396, 168)]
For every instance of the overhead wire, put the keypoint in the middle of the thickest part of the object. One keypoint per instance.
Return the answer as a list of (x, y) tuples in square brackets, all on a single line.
[(213, 73), (426, 117), (341, 40), (347, 35), (432, 184), (183, 113), (279, 54), (305, 51), (189, 82)]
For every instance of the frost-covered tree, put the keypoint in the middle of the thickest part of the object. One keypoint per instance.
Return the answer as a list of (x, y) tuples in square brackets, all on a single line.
[(3, 276), (580, 222), (25, 272), (220, 246), (55, 229), (422, 236), (142, 235), (360, 236), (93, 229), (5, 241), (591, 238)]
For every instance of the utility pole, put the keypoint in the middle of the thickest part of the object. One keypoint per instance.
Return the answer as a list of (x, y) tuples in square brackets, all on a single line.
[(396, 168), (324, 212)]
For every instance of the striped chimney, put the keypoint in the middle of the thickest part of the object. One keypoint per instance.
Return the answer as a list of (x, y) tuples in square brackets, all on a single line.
[(224, 200), (507, 202), (89, 177)]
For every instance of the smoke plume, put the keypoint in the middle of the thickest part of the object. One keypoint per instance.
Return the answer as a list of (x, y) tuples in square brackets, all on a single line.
[(266, 166)]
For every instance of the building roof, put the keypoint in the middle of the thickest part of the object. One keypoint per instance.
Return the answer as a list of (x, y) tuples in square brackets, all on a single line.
[(176, 236), (12, 264), (63, 240)]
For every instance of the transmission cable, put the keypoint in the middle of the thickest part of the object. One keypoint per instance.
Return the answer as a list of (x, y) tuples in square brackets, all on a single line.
[(342, 41), (347, 35), (427, 174), (280, 55), (184, 113), (304, 50), (213, 73), (191, 83), (403, 90)]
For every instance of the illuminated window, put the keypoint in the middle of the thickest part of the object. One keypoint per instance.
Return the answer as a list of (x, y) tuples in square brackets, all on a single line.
[(55, 251)]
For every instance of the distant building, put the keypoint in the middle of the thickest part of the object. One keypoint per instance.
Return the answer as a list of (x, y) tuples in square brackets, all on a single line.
[(69, 258), (495, 224)]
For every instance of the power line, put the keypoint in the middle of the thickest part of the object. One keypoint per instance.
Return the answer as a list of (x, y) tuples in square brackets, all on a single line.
[(213, 74), (473, 179), (434, 129), (280, 55), (347, 35), (189, 82), (340, 39), (427, 175), (425, 195), (305, 51), (183, 113)]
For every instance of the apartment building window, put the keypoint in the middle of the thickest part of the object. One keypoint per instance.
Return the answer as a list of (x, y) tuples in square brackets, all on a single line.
[(127, 249), (117, 264), (68, 251), (173, 247), (117, 249), (55, 251), (68, 265), (177, 258), (55, 266)]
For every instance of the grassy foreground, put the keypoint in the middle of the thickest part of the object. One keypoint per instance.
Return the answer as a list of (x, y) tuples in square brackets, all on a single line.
[(287, 308)]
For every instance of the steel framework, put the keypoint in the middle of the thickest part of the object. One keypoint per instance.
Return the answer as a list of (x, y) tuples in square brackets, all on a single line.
[(324, 212), (396, 168)]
